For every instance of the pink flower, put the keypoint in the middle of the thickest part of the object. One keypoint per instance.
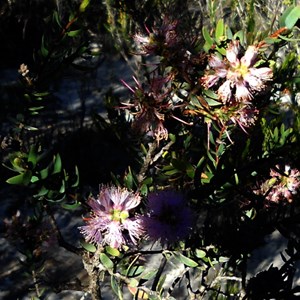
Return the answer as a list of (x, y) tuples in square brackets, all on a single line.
[(282, 186), (241, 79), (245, 117), (110, 222)]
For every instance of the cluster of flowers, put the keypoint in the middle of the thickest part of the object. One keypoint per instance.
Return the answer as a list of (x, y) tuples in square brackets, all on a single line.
[(236, 77), (167, 218), (282, 186), (157, 100)]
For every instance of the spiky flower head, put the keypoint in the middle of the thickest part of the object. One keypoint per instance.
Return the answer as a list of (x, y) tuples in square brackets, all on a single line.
[(110, 223), (162, 41), (150, 105), (239, 75), (169, 219)]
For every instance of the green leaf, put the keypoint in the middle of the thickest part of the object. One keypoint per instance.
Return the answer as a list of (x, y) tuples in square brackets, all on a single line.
[(133, 282), (21, 179), (34, 179), (62, 187), (144, 190), (42, 192), (221, 50), (223, 259), (219, 34), (40, 95), (185, 260), (144, 150), (149, 275), (200, 253), (106, 261), (56, 18), (288, 39), (75, 184), (44, 50), (32, 157), (128, 180), (57, 164), (44, 173), (172, 137), (240, 35), (190, 171), (35, 109), (84, 4), (208, 39), (134, 271), (116, 287), (112, 251), (229, 33), (74, 33), (211, 94), (70, 206), (290, 17), (161, 282), (88, 246)]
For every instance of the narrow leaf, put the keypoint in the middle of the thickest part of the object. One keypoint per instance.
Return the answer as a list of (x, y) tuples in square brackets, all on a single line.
[(116, 287), (89, 247), (200, 253), (219, 31), (21, 179), (106, 261), (112, 251), (57, 164), (70, 206), (84, 4), (185, 260), (290, 17), (208, 39), (74, 33)]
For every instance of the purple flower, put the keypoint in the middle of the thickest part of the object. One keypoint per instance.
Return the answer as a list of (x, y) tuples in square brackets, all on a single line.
[(109, 222), (242, 78), (168, 219)]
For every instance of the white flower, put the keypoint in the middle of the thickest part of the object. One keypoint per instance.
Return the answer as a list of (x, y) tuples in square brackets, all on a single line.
[(242, 79)]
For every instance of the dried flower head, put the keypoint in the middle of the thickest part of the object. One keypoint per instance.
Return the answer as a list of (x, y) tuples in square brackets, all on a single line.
[(110, 222), (161, 41), (242, 78), (168, 219), (150, 105), (25, 73)]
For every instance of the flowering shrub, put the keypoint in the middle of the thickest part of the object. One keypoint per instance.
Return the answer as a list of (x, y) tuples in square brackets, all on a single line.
[(212, 122)]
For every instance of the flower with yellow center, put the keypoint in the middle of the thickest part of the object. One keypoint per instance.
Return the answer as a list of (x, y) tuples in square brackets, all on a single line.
[(242, 78), (110, 223)]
